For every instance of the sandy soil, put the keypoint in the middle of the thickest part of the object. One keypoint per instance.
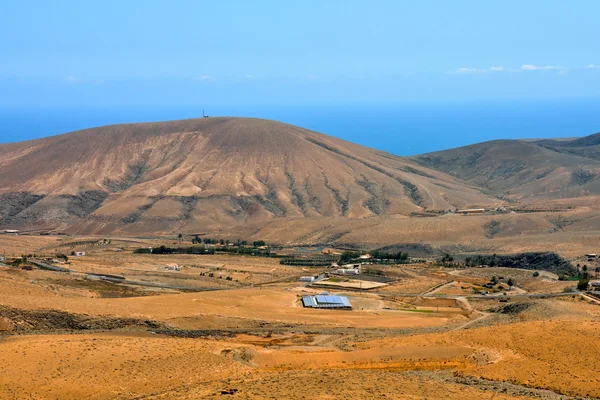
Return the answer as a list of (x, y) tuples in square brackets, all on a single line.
[(106, 366), (16, 245), (65, 337)]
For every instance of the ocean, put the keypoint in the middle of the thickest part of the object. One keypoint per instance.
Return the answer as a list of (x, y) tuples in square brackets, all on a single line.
[(398, 128)]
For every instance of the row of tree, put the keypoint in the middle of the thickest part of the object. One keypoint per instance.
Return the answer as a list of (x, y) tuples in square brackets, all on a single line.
[(533, 260), (211, 241), (203, 250), (397, 257)]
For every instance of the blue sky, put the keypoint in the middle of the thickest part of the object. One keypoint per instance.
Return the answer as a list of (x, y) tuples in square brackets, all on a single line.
[(158, 53)]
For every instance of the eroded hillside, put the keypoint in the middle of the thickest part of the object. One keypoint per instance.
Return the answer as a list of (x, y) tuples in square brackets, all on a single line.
[(212, 172)]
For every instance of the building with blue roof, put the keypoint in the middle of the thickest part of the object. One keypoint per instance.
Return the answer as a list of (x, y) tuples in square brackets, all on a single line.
[(326, 301)]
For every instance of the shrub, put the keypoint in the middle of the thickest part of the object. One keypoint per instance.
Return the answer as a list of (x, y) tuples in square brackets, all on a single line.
[(583, 284)]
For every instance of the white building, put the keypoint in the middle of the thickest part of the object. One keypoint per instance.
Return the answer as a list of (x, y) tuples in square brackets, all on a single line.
[(309, 279), (348, 271)]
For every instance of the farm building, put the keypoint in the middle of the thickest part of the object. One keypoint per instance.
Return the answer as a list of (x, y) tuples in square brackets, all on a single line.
[(471, 211), (322, 301), (172, 267), (309, 279), (347, 271)]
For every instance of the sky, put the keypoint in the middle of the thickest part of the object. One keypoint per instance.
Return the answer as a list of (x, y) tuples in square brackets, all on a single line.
[(157, 53), (402, 76)]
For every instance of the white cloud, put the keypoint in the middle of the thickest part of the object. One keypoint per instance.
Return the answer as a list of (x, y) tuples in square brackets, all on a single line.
[(592, 66), (250, 76), (205, 78), (470, 71), (465, 70), (530, 67), (524, 67), (73, 79)]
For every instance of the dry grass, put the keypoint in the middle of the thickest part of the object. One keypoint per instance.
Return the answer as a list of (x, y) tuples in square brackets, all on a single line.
[(378, 350)]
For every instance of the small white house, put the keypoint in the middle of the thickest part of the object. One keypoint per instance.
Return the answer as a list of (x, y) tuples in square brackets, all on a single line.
[(79, 253), (309, 279), (348, 271)]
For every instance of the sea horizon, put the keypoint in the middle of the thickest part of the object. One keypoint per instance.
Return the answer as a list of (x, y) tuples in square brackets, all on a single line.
[(403, 129)]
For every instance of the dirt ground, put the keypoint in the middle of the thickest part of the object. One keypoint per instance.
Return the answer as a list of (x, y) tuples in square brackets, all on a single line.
[(65, 336)]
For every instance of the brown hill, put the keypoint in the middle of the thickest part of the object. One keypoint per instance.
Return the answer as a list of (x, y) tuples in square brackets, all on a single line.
[(525, 170), (206, 174)]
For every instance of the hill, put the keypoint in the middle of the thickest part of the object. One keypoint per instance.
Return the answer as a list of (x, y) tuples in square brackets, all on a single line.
[(209, 174), (526, 171)]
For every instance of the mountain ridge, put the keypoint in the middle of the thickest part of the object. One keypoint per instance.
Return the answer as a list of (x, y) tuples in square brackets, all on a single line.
[(539, 170), (211, 172)]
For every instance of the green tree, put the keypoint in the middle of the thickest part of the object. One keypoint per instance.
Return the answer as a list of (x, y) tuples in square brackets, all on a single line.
[(348, 256), (583, 283), (511, 283)]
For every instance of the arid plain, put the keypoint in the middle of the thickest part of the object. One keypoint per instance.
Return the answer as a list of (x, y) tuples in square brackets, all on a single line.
[(170, 260), (232, 326)]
